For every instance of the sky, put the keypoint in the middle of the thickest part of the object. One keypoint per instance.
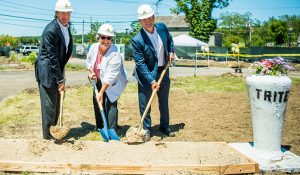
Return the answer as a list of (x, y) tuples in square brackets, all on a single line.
[(29, 17)]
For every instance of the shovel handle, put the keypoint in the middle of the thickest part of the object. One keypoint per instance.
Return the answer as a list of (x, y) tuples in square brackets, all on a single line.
[(152, 96), (61, 94), (93, 82)]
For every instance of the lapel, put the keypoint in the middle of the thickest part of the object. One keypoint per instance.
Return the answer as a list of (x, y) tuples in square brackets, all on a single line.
[(70, 46), (148, 41)]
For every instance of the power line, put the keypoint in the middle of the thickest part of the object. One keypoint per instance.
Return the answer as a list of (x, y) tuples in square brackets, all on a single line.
[(13, 16), (124, 1), (73, 16), (18, 11), (26, 6), (75, 22), (29, 21), (263, 8), (77, 15), (21, 25)]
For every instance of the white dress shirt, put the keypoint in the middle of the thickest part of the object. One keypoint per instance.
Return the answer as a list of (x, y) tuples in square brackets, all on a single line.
[(65, 33), (158, 46)]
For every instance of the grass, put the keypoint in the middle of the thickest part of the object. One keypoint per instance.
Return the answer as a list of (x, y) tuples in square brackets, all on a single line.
[(226, 83), (75, 67), (295, 81), (15, 109)]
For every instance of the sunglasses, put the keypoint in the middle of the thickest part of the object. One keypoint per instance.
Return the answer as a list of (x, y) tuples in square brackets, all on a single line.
[(106, 37)]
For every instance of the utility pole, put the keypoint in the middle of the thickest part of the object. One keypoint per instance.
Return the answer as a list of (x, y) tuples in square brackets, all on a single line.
[(250, 31), (290, 34), (82, 37)]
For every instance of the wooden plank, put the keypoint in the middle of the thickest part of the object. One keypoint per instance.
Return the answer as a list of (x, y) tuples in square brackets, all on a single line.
[(249, 159), (17, 166)]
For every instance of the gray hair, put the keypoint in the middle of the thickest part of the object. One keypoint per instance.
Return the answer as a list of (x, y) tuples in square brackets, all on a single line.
[(55, 15)]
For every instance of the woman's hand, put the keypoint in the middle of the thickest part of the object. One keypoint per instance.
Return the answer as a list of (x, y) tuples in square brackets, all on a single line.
[(93, 75), (99, 97)]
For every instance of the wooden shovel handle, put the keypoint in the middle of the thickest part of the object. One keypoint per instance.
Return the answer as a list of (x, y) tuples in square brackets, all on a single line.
[(61, 94), (152, 96)]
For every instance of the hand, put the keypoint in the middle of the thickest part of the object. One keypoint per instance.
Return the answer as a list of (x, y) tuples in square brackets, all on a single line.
[(93, 76), (155, 85), (99, 97), (171, 57), (61, 87)]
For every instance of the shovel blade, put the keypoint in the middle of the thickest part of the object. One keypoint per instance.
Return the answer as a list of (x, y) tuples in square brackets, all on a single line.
[(113, 135), (104, 135)]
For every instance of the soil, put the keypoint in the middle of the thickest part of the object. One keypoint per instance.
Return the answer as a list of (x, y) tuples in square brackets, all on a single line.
[(200, 117)]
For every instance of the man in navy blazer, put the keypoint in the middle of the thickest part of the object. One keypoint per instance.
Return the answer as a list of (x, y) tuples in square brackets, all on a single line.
[(55, 51), (152, 49)]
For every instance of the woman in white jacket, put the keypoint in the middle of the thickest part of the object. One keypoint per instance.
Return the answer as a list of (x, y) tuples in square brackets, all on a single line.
[(106, 65)]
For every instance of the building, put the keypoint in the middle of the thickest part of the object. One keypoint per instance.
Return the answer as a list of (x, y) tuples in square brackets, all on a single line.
[(177, 26)]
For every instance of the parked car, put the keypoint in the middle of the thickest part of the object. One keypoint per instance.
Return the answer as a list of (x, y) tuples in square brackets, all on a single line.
[(26, 49)]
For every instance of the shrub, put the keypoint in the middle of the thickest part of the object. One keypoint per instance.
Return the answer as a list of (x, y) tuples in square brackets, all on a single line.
[(30, 59)]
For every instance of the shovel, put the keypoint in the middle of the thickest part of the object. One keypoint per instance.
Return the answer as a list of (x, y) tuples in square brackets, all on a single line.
[(60, 131), (138, 135), (107, 134)]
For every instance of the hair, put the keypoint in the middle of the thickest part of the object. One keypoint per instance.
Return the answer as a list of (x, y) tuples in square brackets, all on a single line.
[(149, 17), (55, 14)]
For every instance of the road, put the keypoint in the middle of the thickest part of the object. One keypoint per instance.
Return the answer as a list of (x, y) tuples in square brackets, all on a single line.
[(13, 82)]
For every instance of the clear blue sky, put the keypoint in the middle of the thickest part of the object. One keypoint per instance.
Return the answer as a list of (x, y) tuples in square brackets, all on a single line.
[(29, 17)]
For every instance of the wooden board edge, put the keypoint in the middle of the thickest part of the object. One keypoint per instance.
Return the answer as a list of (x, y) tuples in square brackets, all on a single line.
[(44, 167)]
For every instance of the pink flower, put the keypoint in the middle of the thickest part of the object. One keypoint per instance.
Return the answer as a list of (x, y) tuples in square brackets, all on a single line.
[(276, 66), (267, 63)]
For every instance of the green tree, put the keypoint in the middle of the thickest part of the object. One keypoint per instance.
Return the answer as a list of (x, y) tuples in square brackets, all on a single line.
[(176, 10), (232, 20), (30, 40), (92, 35), (199, 15), (293, 24), (278, 31), (229, 39), (242, 25), (136, 27), (7, 39)]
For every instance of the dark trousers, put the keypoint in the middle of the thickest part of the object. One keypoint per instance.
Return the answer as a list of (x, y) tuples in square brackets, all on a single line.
[(110, 110), (144, 95), (50, 102)]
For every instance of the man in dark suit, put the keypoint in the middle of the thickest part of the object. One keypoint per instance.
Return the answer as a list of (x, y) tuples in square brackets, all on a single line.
[(152, 49), (55, 51)]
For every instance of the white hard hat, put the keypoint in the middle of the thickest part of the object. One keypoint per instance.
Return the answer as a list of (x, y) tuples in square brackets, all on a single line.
[(145, 11), (63, 6), (106, 29)]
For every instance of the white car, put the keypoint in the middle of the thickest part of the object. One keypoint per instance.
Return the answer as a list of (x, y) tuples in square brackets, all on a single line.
[(26, 50)]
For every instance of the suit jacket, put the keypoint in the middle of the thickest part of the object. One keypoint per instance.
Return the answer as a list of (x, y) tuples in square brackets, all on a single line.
[(145, 55), (111, 69), (52, 58)]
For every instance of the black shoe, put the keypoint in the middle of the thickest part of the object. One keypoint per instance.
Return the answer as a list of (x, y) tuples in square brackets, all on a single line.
[(168, 132), (50, 137), (147, 136)]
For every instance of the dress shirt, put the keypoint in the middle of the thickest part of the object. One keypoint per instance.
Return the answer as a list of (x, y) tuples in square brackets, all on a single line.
[(158, 46), (65, 33)]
